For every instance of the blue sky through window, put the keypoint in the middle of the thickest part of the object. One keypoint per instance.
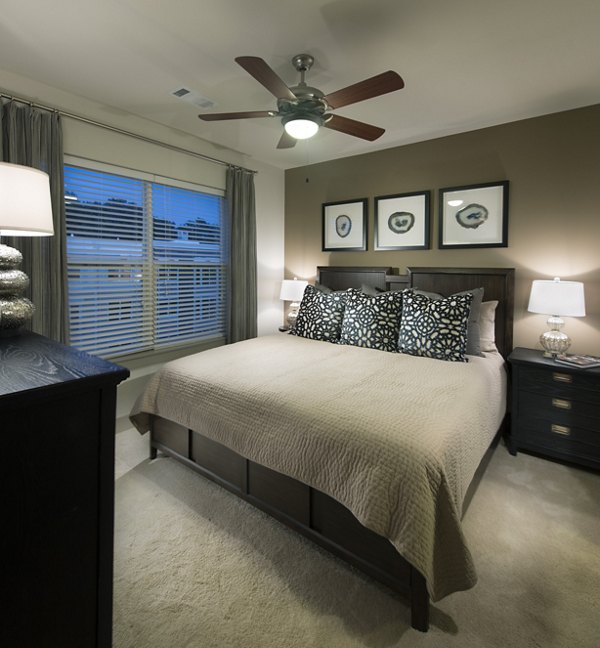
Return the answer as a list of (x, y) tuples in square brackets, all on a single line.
[(89, 186)]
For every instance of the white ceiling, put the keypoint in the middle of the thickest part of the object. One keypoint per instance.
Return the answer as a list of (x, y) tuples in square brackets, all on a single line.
[(466, 63)]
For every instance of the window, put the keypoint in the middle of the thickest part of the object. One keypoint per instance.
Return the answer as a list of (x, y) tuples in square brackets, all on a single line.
[(145, 262)]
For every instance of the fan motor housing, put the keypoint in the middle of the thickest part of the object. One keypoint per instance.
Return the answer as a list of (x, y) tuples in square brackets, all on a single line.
[(310, 101)]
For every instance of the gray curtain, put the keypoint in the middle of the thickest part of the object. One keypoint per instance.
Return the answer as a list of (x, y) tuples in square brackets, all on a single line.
[(33, 138), (242, 319)]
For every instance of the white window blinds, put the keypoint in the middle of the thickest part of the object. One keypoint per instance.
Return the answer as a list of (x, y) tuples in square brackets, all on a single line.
[(145, 262)]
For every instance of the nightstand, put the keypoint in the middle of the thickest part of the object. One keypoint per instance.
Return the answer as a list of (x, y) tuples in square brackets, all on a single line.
[(555, 408)]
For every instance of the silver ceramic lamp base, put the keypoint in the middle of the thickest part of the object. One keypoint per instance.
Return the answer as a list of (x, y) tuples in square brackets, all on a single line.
[(15, 310), (554, 341)]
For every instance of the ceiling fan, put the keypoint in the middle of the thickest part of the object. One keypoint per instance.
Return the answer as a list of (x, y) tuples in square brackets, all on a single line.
[(303, 109)]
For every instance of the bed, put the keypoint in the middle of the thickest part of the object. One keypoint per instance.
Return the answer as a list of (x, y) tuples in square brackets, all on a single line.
[(313, 435)]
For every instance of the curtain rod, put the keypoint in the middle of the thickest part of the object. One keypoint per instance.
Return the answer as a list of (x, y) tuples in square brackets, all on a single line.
[(122, 131)]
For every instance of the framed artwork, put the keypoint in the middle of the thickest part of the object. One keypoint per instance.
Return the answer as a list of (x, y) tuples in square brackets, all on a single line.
[(345, 225), (475, 216), (402, 221)]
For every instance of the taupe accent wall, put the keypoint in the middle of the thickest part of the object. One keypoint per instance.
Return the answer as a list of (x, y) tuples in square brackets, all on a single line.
[(553, 166)]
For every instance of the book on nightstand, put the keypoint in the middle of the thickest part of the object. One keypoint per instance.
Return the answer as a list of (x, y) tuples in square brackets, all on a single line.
[(581, 361)]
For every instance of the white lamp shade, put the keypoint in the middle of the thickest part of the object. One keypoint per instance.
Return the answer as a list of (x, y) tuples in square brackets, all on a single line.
[(301, 128), (25, 204), (292, 289), (556, 297)]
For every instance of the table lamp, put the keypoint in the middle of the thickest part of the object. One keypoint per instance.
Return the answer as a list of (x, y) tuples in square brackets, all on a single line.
[(292, 291), (556, 298), (25, 210)]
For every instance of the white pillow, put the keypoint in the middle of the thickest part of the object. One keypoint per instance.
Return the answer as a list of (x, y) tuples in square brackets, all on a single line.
[(487, 325)]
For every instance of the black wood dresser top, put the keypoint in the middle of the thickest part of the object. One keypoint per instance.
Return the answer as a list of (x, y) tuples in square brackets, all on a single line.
[(32, 362)]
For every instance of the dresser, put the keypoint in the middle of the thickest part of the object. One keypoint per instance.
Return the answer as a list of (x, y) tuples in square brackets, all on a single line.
[(555, 408), (57, 419)]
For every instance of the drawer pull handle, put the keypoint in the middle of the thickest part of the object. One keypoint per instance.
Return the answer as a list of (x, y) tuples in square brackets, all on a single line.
[(563, 430), (561, 377), (561, 403)]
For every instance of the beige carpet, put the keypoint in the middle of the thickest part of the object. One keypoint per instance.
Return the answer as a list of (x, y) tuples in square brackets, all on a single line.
[(197, 568)]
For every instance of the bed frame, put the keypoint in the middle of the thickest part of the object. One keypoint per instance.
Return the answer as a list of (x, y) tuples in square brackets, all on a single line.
[(305, 509)]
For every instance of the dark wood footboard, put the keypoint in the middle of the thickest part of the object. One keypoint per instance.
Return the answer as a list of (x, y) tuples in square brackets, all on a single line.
[(306, 510)]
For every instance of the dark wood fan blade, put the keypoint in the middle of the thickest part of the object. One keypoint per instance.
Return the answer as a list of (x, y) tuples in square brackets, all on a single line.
[(237, 115), (286, 141), (367, 89), (256, 67), (353, 127)]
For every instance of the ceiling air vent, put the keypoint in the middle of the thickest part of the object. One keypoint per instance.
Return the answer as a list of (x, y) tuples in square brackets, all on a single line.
[(194, 98)]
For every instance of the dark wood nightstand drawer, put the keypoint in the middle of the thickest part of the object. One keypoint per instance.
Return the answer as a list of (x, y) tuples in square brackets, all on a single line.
[(557, 433), (542, 439), (557, 382), (562, 410)]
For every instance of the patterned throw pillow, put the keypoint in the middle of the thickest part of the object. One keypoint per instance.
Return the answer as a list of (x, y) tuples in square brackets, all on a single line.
[(320, 315), (473, 326), (434, 328), (372, 321)]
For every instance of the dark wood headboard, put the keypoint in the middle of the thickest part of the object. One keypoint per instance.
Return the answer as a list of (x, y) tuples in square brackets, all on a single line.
[(497, 284), (342, 277)]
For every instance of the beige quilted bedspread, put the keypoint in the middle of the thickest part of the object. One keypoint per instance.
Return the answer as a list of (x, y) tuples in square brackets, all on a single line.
[(394, 438)]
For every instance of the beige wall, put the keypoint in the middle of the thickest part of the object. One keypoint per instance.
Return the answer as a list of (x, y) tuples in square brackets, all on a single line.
[(553, 165)]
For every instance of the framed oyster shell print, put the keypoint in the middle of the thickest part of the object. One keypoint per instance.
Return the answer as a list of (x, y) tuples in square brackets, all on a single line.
[(402, 221), (345, 225), (474, 216)]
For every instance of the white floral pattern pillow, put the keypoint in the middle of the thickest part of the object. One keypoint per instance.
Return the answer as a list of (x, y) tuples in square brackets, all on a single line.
[(372, 321), (320, 315), (434, 328)]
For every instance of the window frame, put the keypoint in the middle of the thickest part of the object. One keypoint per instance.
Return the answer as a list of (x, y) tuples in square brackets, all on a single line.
[(154, 264)]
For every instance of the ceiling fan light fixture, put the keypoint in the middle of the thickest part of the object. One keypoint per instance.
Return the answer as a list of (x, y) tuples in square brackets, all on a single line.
[(302, 108), (302, 127)]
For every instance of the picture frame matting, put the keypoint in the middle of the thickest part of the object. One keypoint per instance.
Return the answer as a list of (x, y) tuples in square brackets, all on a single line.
[(345, 225), (402, 221), (474, 216)]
